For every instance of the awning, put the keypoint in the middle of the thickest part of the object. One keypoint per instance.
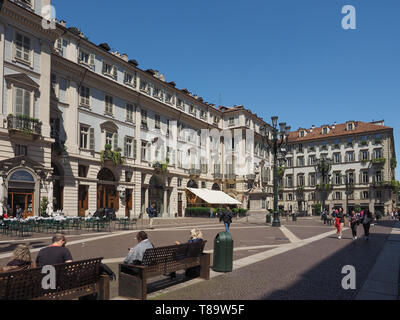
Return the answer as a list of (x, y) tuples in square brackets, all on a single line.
[(214, 197)]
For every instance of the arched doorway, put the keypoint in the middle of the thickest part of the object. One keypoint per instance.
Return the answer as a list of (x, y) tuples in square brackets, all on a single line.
[(21, 192), (58, 176), (216, 187), (107, 194), (192, 184), (156, 193)]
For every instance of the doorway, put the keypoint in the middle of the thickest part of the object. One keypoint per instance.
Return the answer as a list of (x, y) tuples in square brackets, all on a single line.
[(128, 204), (180, 204), (23, 198), (83, 197)]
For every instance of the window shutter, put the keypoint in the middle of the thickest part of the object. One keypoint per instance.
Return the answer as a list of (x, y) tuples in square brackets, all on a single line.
[(115, 71), (104, 67), (134, 149), (115, 141), (79, 55), (18, 100), (125, 148), (91, 138), (91, 60), (27, 102)]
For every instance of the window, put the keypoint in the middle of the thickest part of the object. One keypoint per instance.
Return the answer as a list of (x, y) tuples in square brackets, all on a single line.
[(58, 46), (84, 138), (300, 147), (324, 130), (377, 153), (364, 155), (350, 126), (350, 177), (378, 176), (144, 119), (179, 182), (300, 161), (192, 110), (82, 171), (289, 182), (302, 134), (350, 142), (231, 121), (143, 153), (110, 70), (169, 98), (168, 127), (84, 96), (312, 180), (22, 48), (109, 104), (248, 122), (22, 101), (128, 147), (364, 177), (350, 156), (130, 79), (300, 181), (144, 86), (216, 119), (338, 178), (364, 195), (203, 114), (21, 150), (379, 194), (311, 160), (157, 121), (157, 93), (109, 138), (338, 195), (86, 58), (289, 162), (337, 158), (290, 197), (180, 104), (129, 112)]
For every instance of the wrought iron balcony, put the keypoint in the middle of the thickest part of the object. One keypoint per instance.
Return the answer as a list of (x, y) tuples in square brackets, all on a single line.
[(194, 172), (218, 175), (25, 125), (230, 176)]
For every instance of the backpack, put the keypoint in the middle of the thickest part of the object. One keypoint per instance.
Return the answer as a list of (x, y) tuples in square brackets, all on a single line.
[(147, 211)]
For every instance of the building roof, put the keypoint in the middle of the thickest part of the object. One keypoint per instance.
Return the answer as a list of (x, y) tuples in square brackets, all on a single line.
[(337, 130)]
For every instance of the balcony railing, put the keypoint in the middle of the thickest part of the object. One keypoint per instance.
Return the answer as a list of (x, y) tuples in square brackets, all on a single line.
[(24, 124), (230, 175), (194, 172), (218, 175)]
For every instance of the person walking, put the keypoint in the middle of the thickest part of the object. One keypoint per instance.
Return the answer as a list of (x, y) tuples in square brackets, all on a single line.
[(57, 253), (366, 222), (227, 218), (211, 213), (151, 211), (340, 222), (353, 223)]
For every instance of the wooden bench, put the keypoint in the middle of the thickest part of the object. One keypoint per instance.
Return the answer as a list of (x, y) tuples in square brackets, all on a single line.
[(162, 261), (73, 280)]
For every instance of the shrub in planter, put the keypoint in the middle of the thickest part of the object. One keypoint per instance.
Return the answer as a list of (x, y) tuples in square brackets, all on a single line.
[(197, 212)]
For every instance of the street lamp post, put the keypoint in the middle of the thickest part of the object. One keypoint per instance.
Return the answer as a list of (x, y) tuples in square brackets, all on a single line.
[(323, 167), (279, 140), (347, 183)]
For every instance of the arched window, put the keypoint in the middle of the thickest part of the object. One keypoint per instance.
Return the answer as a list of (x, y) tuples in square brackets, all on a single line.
[(105, 175)]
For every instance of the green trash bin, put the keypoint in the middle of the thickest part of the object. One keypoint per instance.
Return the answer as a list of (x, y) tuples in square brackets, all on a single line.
[(223, 252), (268, 218), (294, 216)]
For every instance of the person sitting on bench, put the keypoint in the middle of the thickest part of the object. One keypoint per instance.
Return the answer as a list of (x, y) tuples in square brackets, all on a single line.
[(135, 255), (57, 253)]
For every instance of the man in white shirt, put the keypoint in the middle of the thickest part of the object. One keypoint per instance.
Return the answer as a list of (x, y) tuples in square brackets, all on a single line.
[(135, 255)]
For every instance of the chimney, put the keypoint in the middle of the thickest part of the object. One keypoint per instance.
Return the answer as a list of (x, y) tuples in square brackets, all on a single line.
[(63, 23), (334, 125), (312, 128), (125, 57)]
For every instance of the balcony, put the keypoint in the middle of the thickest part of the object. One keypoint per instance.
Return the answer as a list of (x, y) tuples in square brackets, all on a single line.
[(250, 176), (218, 175), (378, 161), (230, 176), (194, 172), (24, 125)]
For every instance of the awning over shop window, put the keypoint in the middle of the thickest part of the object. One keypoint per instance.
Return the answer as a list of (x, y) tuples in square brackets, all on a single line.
[(214, 197)]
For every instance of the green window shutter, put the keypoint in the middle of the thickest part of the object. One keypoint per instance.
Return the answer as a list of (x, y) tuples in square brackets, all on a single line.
[(18, 101), (91, 138), (115, 141), (134, 149)]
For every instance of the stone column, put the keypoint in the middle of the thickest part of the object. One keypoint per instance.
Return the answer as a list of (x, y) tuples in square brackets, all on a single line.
[(50, 189), (146, 199), (1, 194), (165, 214)]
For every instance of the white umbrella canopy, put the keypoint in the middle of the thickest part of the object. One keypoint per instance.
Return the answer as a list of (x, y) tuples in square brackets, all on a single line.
[(214, 197)]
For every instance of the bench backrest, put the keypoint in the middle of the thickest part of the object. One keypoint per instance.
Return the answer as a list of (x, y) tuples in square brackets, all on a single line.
[(27, 284), (164, 258)]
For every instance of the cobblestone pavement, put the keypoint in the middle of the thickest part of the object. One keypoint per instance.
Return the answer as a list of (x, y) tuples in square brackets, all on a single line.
[(306, 271)]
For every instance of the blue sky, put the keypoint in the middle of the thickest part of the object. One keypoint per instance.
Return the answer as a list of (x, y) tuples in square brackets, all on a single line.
[(290, 58)]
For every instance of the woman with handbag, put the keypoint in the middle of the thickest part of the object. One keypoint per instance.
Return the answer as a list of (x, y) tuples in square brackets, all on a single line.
[(353, 223)]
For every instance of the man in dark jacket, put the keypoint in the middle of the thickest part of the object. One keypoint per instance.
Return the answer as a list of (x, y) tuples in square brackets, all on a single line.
[(151, 211), (227, 218)]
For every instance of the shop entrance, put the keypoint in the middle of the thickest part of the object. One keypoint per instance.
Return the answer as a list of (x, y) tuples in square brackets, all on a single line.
[(23, 198)]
